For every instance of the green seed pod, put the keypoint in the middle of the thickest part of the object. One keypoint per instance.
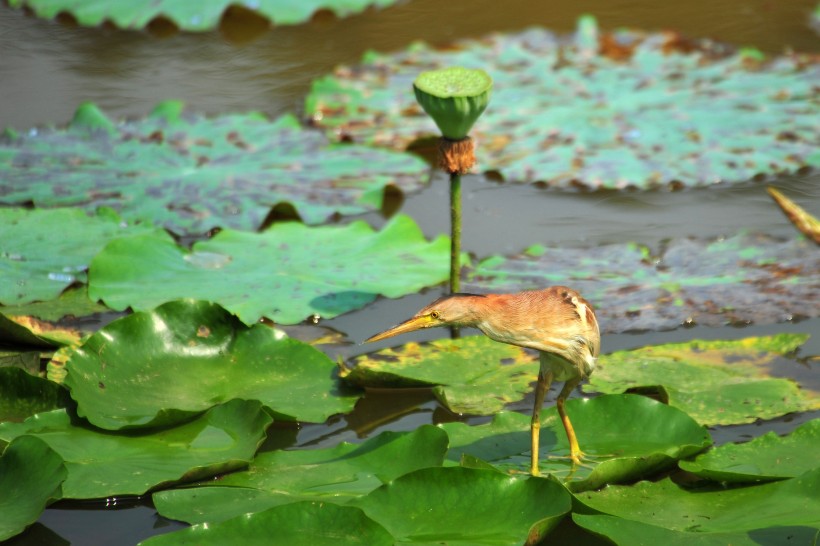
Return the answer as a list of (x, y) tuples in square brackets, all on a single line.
[(454, 97)]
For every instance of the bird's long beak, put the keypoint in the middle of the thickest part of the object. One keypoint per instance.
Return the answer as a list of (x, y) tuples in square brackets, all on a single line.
[(410, 325)]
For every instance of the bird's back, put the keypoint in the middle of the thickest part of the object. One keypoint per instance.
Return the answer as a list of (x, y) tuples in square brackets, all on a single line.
[(556, 320)]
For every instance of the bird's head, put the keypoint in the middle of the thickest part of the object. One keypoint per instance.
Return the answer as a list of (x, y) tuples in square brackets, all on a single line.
[(454, 310)]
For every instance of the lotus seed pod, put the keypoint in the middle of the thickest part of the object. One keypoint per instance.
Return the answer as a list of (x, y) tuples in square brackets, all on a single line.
[(454, 97)]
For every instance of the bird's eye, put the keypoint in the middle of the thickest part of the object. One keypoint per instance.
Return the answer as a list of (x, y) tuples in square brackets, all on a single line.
[(435, 315)]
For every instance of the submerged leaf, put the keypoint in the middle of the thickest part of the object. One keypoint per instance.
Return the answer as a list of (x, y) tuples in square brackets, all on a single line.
[(191, 174), (765, 458), (102, 464), (286, 273), (623, 437), (37, 265), (473, 375), (716, 382), (741, 279), (30, 477), (462, 506), (604, 110), (199, 16), (338, 474), (164, 366)]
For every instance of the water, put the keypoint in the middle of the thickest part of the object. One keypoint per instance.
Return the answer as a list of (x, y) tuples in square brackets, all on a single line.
[(47, 69)]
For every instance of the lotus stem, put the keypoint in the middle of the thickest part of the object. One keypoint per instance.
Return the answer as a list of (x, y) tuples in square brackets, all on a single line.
[(455, 239)]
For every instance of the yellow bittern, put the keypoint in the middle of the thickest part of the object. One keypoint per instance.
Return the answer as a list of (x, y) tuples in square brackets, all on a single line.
[(555, 321)]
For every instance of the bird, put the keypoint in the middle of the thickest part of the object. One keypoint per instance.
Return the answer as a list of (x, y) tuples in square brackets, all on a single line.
[(555, 321)]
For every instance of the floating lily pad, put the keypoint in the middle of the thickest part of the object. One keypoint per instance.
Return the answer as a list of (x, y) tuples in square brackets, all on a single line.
[(286, 273), (190, 174), (741, 279), (625, 532), (23, 394), (311, 522), (716, 382), (30, 477), (196, 17), (765, 458), (472, 375), (623, 438), (164, 366), (786, 505), (44, 251), (102, 464), (600, 109), (338, 474), (461, 506)]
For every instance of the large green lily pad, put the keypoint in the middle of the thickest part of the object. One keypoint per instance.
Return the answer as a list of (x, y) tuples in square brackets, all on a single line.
[(740, 279), (465, 506), (164, 366), (623, 437), (472, 375), (37, 265), (610, 110), (102, 464), (30, 477), (190, 174), (785, 505), (765, 458), (310, 522), (716, 382), (286, 273), (339, 474), (198, 16), (23, 395)]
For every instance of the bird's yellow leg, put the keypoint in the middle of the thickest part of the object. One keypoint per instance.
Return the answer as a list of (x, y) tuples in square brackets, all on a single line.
[(544, 381), (575, 452)]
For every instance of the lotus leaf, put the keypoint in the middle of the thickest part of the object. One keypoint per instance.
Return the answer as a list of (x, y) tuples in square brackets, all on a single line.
[(36, 265), (30, 477), (74, 301), (22, 394), (625, 532), (310, 522), (623, 437), (102, 464), (473, 375), (765, 458), (286, 273), (192, 17), (716, 382), (338, 474), (776, 507), (191, 174), (603, 110), (465, 506), (741, 279), (163, 366)]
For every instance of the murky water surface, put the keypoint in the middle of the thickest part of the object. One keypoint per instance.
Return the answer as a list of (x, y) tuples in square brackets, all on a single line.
[(47, 69)]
